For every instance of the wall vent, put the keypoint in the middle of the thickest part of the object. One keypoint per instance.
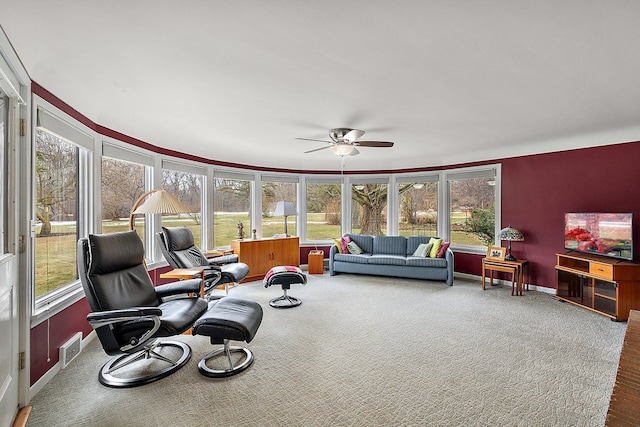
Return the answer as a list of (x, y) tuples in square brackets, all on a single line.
[(70, 349)]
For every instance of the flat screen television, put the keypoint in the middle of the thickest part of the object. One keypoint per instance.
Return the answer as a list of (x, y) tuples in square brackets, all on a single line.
[(606, 234)]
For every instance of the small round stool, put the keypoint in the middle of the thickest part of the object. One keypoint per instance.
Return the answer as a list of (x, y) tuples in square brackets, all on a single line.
[(284, 276)]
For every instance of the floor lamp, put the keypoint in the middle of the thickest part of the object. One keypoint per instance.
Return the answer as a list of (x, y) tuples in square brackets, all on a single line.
[(160, 202)]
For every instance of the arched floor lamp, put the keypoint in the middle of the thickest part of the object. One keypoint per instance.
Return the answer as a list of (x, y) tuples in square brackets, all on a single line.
[(160, 202)]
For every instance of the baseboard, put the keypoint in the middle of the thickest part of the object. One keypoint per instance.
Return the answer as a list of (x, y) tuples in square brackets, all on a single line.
[(473, 277), (48, 376)]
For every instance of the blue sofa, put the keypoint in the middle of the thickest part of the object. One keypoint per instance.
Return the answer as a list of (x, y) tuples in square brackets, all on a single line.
[(391, 256)]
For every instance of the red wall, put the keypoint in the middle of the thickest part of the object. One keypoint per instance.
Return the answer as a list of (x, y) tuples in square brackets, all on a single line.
[(538, 190), (61, 327)]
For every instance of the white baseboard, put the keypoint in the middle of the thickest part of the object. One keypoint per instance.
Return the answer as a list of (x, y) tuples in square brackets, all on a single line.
[(473, 277), (48, 376)]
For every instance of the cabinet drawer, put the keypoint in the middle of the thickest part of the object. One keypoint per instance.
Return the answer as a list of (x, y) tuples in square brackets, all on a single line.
[(602, 270)]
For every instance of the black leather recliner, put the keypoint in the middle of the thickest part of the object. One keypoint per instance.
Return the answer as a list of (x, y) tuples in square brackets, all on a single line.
[(179, 249), (130, 315)]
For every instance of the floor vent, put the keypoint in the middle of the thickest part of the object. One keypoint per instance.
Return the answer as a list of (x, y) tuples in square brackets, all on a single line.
[(70, 349)]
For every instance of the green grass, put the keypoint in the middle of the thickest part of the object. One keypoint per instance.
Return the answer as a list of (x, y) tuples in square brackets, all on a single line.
[(56, 254)]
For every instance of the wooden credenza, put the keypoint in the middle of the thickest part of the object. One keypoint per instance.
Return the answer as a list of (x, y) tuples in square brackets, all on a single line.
[(606, 286), (263, 254)]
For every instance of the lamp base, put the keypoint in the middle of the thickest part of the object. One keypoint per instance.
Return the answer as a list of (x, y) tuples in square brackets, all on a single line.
[(509, 257)]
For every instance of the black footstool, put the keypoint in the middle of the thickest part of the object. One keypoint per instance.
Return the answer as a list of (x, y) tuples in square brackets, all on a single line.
[(228, 319), (284, 276)]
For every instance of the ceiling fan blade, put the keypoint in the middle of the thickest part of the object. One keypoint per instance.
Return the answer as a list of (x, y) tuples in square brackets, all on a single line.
[(317, 140), (373, 143), (317, 149), (352, 135)]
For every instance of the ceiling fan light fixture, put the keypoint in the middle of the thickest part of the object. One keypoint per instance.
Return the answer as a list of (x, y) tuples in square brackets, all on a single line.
[(342, 149)]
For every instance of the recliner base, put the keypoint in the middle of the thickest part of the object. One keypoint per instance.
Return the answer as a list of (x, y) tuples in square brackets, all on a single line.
[(107, 378), (233, 369)]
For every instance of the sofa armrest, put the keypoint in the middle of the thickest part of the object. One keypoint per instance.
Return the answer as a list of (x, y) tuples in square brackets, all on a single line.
[(450, 266), (332, 252)]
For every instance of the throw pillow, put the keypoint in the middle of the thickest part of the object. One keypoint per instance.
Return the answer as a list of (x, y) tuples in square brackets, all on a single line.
[(443, 249), (338, 245), (420, 250), (423, 250), (344, 241), (436, 247), (354, 248)]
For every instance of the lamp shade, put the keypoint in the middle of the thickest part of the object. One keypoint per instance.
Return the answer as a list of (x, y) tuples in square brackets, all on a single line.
[(285, 209), (160, 202), (511, 234)]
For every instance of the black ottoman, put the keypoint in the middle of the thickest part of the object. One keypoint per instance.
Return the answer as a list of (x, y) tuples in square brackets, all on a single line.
[(228, 319), (285, 276)]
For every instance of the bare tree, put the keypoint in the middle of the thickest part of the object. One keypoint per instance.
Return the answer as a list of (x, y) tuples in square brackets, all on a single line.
[(56, 180), (372, 199), (122, 185)]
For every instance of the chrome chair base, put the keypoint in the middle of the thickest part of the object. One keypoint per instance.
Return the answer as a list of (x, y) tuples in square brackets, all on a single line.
[(108, 378), (246, 361), (285, 301)]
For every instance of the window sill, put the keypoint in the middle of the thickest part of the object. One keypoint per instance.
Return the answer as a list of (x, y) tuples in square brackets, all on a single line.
[(53, 305)]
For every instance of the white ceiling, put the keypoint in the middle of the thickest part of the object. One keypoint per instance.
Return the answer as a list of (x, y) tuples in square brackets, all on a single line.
[(448, 81)]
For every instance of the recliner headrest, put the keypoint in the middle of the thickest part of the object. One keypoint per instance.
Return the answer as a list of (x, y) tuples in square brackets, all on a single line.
[(114, 252), (178, 238)]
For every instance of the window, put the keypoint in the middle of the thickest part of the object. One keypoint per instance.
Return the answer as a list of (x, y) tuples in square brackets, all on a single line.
[(418, 210), (272, 193), (61, 176), (123, 183), (323, 210), (186, 187), (369, 208), (472, 215), (231, 205)]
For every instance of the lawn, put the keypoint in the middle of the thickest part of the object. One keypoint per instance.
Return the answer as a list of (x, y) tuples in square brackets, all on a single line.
[(56, 254)]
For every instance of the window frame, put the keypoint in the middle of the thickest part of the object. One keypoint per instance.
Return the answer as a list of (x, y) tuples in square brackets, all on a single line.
[(64, 127)]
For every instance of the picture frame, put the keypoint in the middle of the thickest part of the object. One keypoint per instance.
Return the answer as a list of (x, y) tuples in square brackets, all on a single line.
[(496, 253)]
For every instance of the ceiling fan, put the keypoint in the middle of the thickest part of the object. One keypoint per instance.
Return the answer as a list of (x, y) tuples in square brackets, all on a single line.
[(344, 142)]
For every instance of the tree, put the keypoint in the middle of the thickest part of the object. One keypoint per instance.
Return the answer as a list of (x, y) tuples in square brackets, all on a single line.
[(122, 185), (56, 180), (482, 223), (372, 199)]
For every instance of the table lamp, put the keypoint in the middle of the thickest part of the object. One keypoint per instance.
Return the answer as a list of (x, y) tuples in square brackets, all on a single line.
[(510, 234), (285, 209)]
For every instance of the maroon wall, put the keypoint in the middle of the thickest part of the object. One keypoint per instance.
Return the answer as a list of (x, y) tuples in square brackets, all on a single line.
[(538, 190), (60, 327)]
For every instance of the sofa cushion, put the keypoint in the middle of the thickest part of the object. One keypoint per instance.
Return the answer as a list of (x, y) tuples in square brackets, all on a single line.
[(390, 245), (414, 241), (365, 241), (387, 259), (443, 249), (413, 261), (358, 259)]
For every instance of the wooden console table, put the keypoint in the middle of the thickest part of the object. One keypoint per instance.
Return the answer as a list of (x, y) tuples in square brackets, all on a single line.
[(263, 254), (516, 268)]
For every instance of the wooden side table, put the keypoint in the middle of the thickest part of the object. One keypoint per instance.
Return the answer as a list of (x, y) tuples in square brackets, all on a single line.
[(316, 262), (185, 274), (516, 268)]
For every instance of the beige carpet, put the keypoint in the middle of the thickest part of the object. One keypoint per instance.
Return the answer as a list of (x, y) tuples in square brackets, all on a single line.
[(372, 351)]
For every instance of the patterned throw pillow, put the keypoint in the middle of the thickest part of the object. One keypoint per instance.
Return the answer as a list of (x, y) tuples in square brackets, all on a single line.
[(423, 250), (354, 248), (344, 241), (338, 245), (436, 247), (443, 249)]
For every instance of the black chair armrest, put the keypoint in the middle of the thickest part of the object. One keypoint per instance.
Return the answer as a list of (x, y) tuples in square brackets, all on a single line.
[(212, 267), (100, 319), (181, 287)]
